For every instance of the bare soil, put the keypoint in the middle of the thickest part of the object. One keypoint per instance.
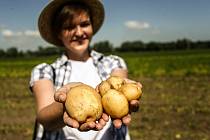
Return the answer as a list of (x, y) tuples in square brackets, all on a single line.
[(170, 108)]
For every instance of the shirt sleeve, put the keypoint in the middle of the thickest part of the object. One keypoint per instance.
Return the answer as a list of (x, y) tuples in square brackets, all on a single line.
[(41, 71), (118, 62)]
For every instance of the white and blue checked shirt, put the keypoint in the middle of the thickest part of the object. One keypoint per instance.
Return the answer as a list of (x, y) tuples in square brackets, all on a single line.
[(60, 71), (62, 68)]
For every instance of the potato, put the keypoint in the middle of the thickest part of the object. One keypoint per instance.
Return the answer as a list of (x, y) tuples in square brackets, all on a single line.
[(104, 86), (115, 82), (83, 103), (115, 104), (131, 91)]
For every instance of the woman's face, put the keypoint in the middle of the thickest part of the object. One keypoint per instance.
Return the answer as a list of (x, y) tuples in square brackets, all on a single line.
[(77, 36)]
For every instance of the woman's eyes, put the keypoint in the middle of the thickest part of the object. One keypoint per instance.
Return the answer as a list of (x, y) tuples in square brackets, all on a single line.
[(85, 24), (69, 27), (82, 24)]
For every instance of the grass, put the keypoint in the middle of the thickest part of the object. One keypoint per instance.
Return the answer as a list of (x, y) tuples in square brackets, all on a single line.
[(178, 63)]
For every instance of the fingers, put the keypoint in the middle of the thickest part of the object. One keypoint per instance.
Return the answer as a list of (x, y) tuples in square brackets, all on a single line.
[(117, 123), (129, 81), (134, 105), (102, 122), (60, 94), (83, 127), (69, 121), (105, 117), (87, 126), (139, 84), (134, 102), (132, 81), (127, 119)]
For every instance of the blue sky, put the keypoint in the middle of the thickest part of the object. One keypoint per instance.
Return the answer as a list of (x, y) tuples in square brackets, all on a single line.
[(126, 20)]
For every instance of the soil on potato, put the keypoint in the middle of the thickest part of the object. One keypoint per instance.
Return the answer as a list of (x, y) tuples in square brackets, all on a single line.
[(170, 108)]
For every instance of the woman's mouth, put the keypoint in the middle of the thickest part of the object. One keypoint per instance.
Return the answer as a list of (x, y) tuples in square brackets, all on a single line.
[(79, 41)]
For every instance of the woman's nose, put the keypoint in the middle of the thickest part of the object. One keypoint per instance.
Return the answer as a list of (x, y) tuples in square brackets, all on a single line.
[(79, 31)]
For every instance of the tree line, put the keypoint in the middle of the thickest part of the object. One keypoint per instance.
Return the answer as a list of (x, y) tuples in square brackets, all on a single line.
[(106, 47)]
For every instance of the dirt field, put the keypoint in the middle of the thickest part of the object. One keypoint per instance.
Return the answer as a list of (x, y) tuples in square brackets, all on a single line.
[(171, 108)]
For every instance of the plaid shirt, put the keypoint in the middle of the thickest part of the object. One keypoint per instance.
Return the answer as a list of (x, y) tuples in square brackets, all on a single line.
[(60, 71), (61, 68)]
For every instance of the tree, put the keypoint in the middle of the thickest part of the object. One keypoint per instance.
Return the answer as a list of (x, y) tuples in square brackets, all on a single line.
[(12, 52), (132, 46), (49, 50), (103, 46), (137, 46), (2, 53), (183, 44)]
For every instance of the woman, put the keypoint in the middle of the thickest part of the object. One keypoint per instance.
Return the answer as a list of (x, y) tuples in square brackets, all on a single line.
[(71, 24)]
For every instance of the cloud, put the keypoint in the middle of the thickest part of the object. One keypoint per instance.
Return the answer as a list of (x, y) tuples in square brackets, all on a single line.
[(31, 33), (7, 33), (137, 25), (155, 31), (23, 43), (27, 33), (23, 40)]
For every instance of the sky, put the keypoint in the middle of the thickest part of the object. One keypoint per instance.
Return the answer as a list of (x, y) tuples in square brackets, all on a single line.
[(125, 20)]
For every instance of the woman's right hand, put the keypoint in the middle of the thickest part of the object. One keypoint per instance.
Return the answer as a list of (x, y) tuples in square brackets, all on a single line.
[(60, 96)]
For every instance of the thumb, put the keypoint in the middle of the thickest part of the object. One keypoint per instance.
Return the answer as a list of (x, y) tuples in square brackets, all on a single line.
[(60, 95)]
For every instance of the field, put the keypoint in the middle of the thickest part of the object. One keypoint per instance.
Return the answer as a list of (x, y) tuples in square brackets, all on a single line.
[(175, 102)]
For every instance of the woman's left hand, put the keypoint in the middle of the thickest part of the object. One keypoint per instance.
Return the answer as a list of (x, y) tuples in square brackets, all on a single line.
[(133, 107)]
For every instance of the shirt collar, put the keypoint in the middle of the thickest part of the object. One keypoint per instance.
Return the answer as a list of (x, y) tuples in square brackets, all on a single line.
[(95, 56), (63, 59)]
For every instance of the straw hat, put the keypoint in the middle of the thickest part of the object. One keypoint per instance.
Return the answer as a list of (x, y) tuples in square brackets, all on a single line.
[(47, 15)]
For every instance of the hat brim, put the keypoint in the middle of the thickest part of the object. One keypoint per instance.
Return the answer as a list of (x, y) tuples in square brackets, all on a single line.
[(47, 15)]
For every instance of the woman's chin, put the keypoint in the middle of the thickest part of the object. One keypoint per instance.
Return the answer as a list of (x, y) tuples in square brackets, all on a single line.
[(78, 49)]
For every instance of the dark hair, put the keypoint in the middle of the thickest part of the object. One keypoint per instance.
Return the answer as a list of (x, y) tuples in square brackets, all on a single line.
[(65, 15)]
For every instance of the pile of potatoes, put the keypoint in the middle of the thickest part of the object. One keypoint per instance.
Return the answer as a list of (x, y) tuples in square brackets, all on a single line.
[(116, 94), (85, 104)]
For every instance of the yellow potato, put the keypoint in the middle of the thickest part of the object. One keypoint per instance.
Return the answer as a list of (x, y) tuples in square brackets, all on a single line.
[(83, 103), (131, 90), (115, 104), (104, 86), (115, 82)]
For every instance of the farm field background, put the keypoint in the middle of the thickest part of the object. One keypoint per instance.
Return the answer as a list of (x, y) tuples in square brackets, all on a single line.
[(175, 103)]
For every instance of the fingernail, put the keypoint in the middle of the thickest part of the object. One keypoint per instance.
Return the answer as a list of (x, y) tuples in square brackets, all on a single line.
[(61, 98), (75, 125)]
